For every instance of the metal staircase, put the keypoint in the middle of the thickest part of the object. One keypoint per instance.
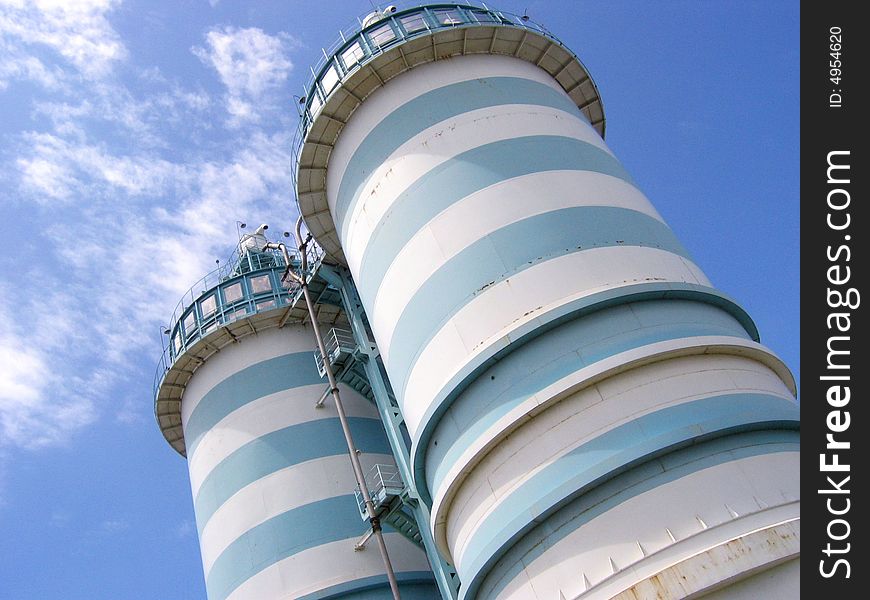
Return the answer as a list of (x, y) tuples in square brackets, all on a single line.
[(357, 380), (359, 367), (405, 525), (387, 491)]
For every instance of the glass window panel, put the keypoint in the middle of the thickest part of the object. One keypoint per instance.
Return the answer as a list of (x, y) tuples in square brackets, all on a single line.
[(483, 17), (265, 305), (189, 323), (176, 341), (261, 284), (208, 305), (239, 312), (329, 80), (233, 292), (352, 55), (413, 23), (383, 35), (448, 17), (209, 327), (315, 104)]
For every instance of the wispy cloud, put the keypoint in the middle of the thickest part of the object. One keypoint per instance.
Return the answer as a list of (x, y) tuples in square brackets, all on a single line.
[(55, 168), (114, 526), (37, 407), (60, 518), (77, 30), (250, 63), (120, 223), (184, 529), (16, 65), (130, 255)]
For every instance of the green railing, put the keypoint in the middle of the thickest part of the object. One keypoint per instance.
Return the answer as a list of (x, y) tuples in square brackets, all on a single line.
[(249, 283), (361, 43)]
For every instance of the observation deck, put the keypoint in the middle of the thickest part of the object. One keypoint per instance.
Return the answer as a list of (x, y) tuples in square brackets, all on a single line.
[(246, 295), (392, 42)]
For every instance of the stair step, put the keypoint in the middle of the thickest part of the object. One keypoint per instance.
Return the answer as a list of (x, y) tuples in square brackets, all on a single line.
[(405, 525)]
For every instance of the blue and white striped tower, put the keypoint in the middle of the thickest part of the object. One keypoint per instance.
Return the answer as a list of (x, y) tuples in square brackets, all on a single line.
[(589, 417), (272, 483)]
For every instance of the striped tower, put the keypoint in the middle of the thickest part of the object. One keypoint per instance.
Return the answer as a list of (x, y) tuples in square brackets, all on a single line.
[(272, 483), (589, 417)]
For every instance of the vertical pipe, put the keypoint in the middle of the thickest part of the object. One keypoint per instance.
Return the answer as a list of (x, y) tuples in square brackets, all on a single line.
[(333, 385), (445, 576)]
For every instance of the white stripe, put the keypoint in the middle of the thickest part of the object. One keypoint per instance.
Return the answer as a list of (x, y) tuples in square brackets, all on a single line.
[(251, 350), (582, 417), (699, 353), (502, 308), (489, 210), (443, 142), (277, 493), (328, 565), (265, 415), (425, 78), (741, 485)]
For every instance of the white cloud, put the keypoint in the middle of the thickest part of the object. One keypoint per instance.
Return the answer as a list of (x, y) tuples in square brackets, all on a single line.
[(54, 168), (16, 65), (250, 63), (126, 221), (77, 30), (131, 256), (112, 104), (46, 177), (22, 372), (60, 518), (36, 406), (113, 526), (184, 529)]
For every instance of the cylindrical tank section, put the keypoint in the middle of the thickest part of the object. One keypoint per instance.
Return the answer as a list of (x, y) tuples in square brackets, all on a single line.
[(588, 415), (272, 483)]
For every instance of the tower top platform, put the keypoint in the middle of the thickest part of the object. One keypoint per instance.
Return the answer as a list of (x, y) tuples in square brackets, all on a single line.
[(245, 295), (393, 41)]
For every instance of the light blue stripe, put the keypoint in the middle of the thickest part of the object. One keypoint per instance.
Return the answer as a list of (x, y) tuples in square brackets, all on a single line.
[(278, 450), (506, 252), (622, 488), (428, 109), (413, 585), (557, 354), (281, 536), (612, 453), (545, 322), (465, 174), (258, 380)]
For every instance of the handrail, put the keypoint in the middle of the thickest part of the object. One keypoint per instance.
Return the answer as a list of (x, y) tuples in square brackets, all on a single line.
[(384, 482), (358, 45), (232, 267), (241, 288), (336, 341)]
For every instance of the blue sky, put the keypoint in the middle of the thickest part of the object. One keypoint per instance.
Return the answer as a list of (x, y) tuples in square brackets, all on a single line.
[(134, 133)]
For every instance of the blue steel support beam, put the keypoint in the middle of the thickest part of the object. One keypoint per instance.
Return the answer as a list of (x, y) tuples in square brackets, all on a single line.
[(339, 277)]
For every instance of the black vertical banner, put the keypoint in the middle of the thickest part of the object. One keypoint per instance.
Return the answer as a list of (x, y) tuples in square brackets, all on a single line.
[(835, 423)]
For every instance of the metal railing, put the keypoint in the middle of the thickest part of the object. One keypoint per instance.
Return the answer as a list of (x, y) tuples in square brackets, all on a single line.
[(358, 45), (249, 283), (234, 266), (384, 483), (339, 345)]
